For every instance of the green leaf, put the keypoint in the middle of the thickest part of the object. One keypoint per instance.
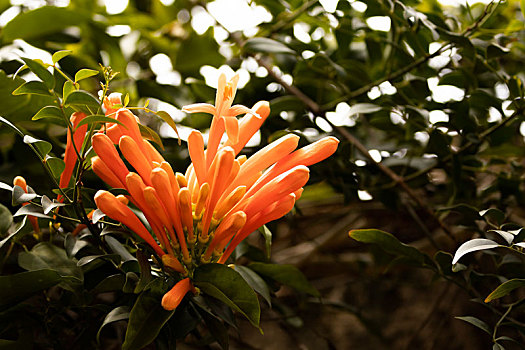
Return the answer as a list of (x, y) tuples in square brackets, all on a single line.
[(228, 286), (33, 210), (90, 258), (267, 234), (266, 45), (68, 88), (97, 118), (476, 322), (288, 275), (81, 98), (84, 74), (40, 70), (20, 286), (50, 112), (255, 281), (117, 314), (472, 246), (6, 219), (151, 135), (32, 87), (42, 146), (41, 22), (146, 319), (390, 244), (505, 288), (20, 196), (167, 118), (21, 228), (493, 216), (145, 272), (45, 255), (48, 204), (56, 165), (57, 56)]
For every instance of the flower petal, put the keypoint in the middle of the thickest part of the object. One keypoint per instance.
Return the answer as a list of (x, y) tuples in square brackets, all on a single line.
[(199, 108)]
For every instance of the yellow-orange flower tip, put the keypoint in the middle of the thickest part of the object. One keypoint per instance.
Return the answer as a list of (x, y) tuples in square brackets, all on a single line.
[(172, 262), (115, 98), (122, 199), (181, 180), (174, 296), (21, 182)]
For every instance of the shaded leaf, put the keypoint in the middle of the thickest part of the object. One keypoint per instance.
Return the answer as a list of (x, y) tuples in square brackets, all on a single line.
[(21, 228), (6, 219), (228, 286), (56, 165), (505, 288), (48, 204), (49, 112), (117, 314), (167, 118), (476, 322), (389, 243), (20, 286), (267, 234), (151, 135), (97, 118), (255, 281), (45, 255), (288, 275), (146, 319)]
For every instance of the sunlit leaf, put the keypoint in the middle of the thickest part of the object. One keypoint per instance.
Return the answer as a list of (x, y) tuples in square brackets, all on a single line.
[(473, 246), (167, 118), (57, 56), (32, 87), (97, 118), (38, 68), (84, 74), (50, 112), (266, 45), (80, 98)]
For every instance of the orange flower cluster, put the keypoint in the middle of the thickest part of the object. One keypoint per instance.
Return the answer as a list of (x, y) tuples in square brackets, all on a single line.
[(201, 216)]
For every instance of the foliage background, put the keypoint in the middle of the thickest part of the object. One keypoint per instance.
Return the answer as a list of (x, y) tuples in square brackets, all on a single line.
[(429, 113)]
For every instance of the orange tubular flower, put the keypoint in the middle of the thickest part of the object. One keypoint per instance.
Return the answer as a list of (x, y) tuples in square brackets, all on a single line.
[(200, 217), (72, 143)]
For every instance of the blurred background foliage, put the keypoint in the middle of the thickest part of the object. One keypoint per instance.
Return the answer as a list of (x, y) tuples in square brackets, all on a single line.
[(426, 98)]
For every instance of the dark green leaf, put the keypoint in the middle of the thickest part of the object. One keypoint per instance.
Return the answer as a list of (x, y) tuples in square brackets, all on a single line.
[(40, 70), (389, 243), (145, 272), (45, 255), (56, 165), (119, 249), (42, 146), (151, 135), (146, 319), (6, 219), (493, 216), (223, 283), (110, 284), (476, 322), (266, 45), (89, 259), (50, 112), (32, 87), (84, 74), (288, 275), (217, 329), (472, 246), (167, 118), (57, 56), (267, 234), (18, 287), (255, 281), (117, 314), (97, 118), (505, 288), (79, 98)]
